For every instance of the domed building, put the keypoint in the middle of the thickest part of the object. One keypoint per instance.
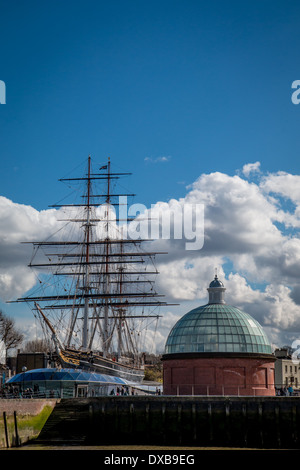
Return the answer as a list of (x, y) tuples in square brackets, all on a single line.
[(217, 349)]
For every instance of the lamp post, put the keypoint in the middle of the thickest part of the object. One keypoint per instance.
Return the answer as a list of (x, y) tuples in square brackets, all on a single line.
[(24, 369)]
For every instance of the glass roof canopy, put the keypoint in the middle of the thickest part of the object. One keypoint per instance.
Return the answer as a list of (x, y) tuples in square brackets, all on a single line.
[(65, 375), (217, 328), (68, 379)]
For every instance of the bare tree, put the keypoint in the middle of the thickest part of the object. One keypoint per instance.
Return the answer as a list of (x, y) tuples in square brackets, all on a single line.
[(10, 336), (37, 345)]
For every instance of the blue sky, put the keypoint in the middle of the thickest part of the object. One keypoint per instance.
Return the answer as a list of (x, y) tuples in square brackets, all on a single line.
[(170, 91), (206, 84)]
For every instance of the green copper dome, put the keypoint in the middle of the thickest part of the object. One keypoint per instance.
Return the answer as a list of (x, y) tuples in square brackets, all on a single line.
[(217, 328)]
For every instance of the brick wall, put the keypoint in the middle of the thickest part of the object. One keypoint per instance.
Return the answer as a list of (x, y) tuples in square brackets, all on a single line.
[(218, 376)]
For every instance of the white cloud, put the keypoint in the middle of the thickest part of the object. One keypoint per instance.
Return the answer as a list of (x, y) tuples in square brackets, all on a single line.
[(251, 168), (285, 189), (238, 217), (251, 236), (242, 232), (284, 184), (20, 223), (161, 159)]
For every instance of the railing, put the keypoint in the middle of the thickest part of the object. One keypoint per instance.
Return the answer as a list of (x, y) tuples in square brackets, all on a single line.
[(174, 390), (31, 394), (228, 390), (78, 391)]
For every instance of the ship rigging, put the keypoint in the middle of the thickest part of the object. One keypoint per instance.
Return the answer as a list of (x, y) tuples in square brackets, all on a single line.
[(96, 286)]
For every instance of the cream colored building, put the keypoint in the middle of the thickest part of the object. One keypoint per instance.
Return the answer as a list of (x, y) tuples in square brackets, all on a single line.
[(287, 372)]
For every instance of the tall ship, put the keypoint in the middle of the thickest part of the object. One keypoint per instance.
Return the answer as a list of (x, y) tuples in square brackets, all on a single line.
[(95, 297)]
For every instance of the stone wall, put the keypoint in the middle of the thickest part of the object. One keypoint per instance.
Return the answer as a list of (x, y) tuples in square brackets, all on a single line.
[(24, 407), (22, 419)]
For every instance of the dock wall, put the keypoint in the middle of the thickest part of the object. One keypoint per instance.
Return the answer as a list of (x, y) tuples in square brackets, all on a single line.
[(243, 422)]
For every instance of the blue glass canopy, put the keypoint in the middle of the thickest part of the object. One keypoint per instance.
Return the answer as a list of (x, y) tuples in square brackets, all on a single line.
[(75, 375)]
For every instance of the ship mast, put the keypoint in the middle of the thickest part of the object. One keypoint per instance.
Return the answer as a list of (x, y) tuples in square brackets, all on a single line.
[(107, 280), (86, 287), (101, 273)]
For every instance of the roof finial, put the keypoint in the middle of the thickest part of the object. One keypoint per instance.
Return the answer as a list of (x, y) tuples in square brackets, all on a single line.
[(216, 273)]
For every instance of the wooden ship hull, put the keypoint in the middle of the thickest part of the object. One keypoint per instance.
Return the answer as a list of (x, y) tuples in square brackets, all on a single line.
[(100, 365)]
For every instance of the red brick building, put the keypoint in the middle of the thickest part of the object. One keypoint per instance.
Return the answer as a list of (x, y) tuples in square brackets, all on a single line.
[(217, 349)]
